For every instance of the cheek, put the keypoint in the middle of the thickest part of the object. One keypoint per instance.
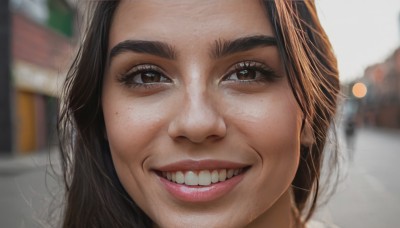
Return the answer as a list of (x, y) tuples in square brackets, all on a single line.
[(269, 122), (128, 130), (133, 130), (271, 125), (132, 126)]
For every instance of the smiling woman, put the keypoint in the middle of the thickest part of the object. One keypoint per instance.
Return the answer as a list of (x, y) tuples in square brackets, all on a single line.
[(197, 114)]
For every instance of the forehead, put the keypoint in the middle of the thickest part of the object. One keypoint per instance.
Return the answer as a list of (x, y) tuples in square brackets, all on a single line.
[(180, 21)]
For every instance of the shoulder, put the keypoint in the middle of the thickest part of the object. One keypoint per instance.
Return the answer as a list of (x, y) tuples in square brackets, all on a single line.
[(318, 224)]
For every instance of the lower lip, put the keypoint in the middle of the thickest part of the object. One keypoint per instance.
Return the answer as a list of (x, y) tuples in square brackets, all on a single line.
[(201, 193)]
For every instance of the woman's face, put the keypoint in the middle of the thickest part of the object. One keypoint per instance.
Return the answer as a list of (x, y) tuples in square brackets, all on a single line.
[(202, 124)]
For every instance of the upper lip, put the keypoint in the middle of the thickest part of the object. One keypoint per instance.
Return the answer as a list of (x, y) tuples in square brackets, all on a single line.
[(200, 165)]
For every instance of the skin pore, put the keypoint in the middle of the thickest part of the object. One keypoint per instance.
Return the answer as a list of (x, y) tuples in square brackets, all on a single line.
[(177, 89)]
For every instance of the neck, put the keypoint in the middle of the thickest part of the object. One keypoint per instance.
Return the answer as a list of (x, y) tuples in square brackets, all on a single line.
[(279, 215)]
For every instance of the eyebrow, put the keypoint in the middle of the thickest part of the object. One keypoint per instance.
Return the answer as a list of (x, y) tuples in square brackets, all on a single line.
[(156, 48), (223, 48)]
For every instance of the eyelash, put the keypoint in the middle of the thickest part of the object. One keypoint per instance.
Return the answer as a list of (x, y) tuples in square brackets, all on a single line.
[(265, 74), (127, 78)]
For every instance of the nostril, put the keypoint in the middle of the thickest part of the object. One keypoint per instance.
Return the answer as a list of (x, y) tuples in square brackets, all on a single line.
[(215, 137), (196, 140), (198, 133)]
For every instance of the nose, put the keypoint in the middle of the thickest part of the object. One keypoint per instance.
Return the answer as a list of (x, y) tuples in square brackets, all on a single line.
[(198, 121)]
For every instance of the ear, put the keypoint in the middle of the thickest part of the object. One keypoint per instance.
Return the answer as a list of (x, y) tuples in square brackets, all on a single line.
[(307, 135)]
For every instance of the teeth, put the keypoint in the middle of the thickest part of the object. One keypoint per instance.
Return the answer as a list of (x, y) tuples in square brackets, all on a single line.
[(191, 178), (180, 177), (214, 176), (229, 174), (204, 177), (222, 175), (201, 177)]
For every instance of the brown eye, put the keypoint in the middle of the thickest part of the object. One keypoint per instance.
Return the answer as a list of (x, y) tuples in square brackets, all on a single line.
[(149, 77), (249, 71), (246, 74)]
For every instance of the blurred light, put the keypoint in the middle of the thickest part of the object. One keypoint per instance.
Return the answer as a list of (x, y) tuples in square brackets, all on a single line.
[(359, 90)]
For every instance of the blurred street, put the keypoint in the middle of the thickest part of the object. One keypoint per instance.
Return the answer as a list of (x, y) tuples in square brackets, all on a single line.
[(369, 196), (29, 192)]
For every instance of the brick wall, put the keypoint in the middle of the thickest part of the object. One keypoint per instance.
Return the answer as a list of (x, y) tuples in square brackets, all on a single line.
[(39, 45)]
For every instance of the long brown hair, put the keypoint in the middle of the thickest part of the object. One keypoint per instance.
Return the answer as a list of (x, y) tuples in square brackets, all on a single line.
[(312, 71), (94, 195)]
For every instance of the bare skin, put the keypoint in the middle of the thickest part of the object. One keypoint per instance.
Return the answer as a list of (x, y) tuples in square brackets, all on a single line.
[(194, 102)]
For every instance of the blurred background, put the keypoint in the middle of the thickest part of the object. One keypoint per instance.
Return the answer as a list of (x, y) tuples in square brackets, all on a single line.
[(39, 37), (37, 41)]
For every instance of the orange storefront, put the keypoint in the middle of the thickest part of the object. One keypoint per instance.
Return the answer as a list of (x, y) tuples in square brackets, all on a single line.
[(40, 57)]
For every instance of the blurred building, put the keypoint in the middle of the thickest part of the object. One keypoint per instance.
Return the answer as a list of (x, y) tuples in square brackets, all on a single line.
[(42, 37), (381, 105)]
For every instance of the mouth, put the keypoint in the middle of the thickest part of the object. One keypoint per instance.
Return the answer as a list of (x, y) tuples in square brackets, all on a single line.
[(201, 181), (201, 177)]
